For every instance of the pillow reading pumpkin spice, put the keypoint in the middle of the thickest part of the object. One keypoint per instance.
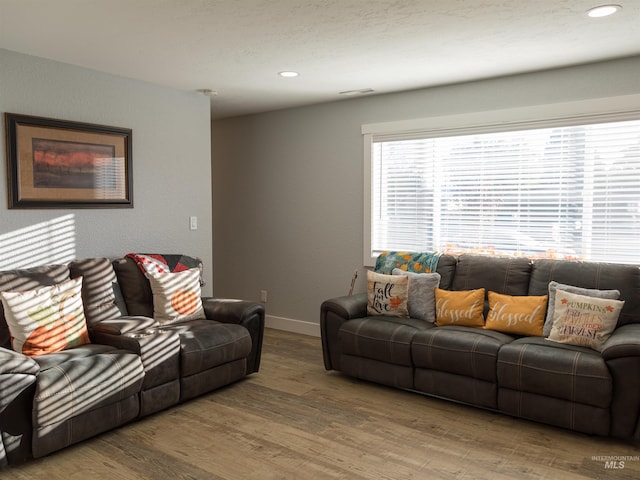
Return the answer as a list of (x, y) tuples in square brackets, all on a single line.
[(460, 307), (387, 294), (518, 315), (176, 295)]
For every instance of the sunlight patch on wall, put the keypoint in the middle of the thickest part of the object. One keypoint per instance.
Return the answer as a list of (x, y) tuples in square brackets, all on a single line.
[(53, 241)]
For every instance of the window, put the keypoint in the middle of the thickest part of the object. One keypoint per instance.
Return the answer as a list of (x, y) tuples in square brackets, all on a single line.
[(570, 190)]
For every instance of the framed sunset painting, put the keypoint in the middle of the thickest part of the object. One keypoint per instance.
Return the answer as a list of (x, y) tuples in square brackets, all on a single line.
[(63, 164)]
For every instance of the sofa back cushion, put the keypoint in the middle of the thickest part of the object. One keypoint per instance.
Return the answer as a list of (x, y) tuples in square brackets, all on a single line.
[(593, 275), (27, 279), (100, 292), (505, 275), (135, 287), (447, 270)]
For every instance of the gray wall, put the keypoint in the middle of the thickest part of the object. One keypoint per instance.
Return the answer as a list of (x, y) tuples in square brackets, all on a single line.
[(171, 166), (288, 185)]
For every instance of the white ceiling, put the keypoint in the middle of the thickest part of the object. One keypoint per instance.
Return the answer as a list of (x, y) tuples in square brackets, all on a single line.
[(237, 47)]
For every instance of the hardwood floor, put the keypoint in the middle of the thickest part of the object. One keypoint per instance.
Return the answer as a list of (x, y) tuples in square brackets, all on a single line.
[(294, 420)]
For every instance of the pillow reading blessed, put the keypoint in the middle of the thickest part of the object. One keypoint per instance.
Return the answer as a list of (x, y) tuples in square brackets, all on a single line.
[(584, 321), (460, 307), (47, 319), (387, 294), (176, 295), (519, 315), (589, 292), (421, 300)]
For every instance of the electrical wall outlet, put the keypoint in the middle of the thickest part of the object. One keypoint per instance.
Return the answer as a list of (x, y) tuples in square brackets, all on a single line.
[(263, 296)]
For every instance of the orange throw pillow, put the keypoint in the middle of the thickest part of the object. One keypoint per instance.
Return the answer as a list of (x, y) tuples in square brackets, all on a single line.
[(519, 315), (460, 307)]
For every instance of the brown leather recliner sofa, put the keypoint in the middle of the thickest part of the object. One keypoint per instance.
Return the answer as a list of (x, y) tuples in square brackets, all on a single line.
[(529, 377), (134, 365)]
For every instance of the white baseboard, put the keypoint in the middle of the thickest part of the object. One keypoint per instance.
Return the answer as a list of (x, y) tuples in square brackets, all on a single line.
[(294, 326)]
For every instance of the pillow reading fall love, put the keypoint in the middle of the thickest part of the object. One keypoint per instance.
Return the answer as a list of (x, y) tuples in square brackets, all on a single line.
[(584, 321), (176, 296), (387, 294)]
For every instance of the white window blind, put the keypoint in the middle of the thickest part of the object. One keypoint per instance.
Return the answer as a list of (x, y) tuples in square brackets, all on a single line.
[(560, 192)]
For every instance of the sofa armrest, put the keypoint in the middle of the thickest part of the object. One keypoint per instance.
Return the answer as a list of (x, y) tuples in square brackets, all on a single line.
[(621, 352), (125, 324), (347, 307), (333, 313), (624, 342), (16, 363), (250, 315), (17, 387)]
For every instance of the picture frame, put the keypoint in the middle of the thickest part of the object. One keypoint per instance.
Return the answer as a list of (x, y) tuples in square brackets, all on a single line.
[(55, 163)]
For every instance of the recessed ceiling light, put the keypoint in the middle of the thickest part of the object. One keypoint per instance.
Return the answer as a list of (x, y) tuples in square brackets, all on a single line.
[(360, 91), (207, 92), (288, 74), (603, 10)]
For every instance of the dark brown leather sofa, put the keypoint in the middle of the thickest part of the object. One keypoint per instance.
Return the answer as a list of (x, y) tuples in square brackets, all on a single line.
[(133, 366), (528, 377)]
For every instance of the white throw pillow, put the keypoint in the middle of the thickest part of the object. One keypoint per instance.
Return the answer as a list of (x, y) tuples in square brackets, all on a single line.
[(176, 295), (47, 319)]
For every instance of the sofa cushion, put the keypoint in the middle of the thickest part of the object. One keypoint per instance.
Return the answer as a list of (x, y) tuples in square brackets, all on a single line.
[(387, 294), (27, 279), (100, 292), (460, 307), (421, 301), (47, 319), (589, 292), (205, 344), (536, 365), (584, 321), (601, 276), (507, 275), (76, 376), (467, 351), (517, 315), (387, 339)]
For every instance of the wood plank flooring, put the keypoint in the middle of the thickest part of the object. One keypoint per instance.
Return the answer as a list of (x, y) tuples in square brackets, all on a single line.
[(294, 420)]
